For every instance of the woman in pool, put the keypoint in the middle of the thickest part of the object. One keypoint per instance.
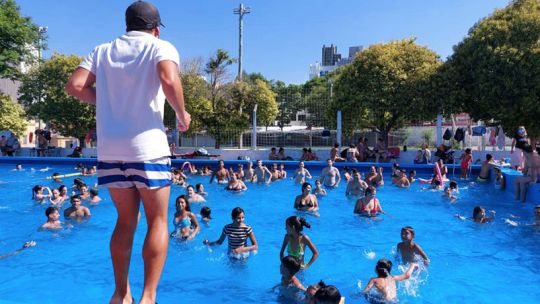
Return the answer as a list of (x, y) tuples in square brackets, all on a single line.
[(238, 233), (84, 194), (185, 222), (193, 197), (63, 192), (55, 198), (301, 174), (306, 201), (319, 190), (235, 184), (295, 241), (39, 195), (200, 189), (368, 205)]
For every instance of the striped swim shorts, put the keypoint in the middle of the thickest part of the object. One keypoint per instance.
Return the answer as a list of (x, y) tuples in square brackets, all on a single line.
[(150, 174)]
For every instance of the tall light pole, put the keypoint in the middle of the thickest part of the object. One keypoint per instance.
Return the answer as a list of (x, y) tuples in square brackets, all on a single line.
[(42, 30), (240, 11)]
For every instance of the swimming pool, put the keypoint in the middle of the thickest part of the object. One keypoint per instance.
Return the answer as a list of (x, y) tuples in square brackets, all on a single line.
[(470, 263)]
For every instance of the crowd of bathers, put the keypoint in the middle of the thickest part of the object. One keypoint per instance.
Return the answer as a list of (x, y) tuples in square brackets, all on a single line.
[(241, 237)]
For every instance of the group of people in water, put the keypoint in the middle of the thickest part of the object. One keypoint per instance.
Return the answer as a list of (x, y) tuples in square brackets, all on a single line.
[(241, 237)]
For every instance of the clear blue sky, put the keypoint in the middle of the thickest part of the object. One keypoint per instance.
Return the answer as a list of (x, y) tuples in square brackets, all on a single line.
[(281, 38)]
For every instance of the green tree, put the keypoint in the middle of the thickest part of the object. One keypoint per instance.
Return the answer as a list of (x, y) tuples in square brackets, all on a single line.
[(13, 116), (19, 39), (495, 70), (216, 68), (386, 86), (42, 93), (289, 101)]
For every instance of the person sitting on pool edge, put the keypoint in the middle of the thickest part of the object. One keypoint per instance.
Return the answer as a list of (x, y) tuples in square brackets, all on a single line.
[(368, 205), (238, 233), (408, 249), (306, 201), (76, 210), (53, 219), (485, 169)]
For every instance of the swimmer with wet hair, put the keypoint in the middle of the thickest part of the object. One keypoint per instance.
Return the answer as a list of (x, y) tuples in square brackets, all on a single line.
[(200, 189), (386, 283), (206, 214), (479, 215), (327, 294), (53, 219), (94, 196), (289, 267), (192, 196), (237, 233), (408, 249), (295, 241), (185, 222), (38, 193)]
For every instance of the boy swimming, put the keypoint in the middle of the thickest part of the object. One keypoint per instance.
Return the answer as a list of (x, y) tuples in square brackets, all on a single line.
[(408, 248)]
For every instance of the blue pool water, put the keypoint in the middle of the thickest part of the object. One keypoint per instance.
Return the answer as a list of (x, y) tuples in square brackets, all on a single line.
[(470, 263)]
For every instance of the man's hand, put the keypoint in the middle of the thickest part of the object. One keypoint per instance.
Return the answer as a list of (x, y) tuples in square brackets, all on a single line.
[(184, 120)]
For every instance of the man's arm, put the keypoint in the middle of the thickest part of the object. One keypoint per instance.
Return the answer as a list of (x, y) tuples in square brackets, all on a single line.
[(81, 85), (172, 87)]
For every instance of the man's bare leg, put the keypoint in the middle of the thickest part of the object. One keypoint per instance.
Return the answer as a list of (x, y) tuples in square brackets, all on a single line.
[(127, 202), (155, 202)]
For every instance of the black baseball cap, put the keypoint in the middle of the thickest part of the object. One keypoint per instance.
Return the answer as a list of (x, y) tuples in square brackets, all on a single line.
[(142, 15)]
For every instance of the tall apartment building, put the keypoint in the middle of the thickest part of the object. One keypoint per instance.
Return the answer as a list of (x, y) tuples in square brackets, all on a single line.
[(331, 60), (330, 55)]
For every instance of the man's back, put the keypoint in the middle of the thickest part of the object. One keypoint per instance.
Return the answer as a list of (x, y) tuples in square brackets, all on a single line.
[(130, 100)]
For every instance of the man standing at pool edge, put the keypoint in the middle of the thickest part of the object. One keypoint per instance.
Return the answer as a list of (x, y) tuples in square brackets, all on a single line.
[(132, 75)]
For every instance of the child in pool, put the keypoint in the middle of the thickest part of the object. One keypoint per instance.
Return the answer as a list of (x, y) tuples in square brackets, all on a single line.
[(385, 283), (319, 190), (238, 233), (94, 196), (200, 189), (206, 214), (38, 193), (289, 282), (536, 221), (295, 241), (408, 248), (449, 195), (466, 161), (479, 215), (324, 294), (412, 176), (499, 179)]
